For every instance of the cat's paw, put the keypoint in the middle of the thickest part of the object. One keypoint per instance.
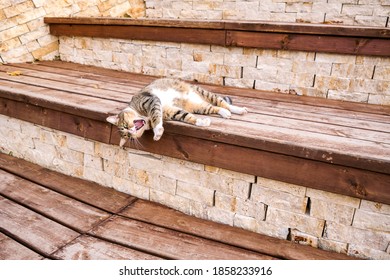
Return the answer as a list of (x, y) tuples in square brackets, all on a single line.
[(203, 122), (158, 132), (224, 113), (238, 110)]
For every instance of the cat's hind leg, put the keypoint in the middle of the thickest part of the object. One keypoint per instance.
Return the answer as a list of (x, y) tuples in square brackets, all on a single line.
[(216, 100), (178, 114)]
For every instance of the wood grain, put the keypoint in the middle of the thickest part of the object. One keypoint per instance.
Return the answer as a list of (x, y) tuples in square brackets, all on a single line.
[(38, 232), (91, 248), (168, 243), (12, 250), (85, 191), (146, 211), (58, 207)]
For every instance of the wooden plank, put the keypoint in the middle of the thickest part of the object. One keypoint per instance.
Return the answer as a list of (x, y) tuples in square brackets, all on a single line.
[(318, 114), (287, 36), (306, 145), (276, 98), (85, 106), (88, 192), (80, 126), (173, 219), (74, 78), (201, 24), (247, 25), (331, 44), (309, 28), (164, 34), (91, 248), (143, 80), (115, 75), (36, 231), (168, 243), (73, 91), (62, 209), (12, 250), (273, 165)]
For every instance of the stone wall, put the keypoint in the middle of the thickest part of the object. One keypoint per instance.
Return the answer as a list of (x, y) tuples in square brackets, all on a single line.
[(25, 37), (346, 77), (320, 219), (350, 12)]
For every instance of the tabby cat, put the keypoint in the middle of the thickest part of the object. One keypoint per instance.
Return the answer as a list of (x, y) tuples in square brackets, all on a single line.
[(169, 99)]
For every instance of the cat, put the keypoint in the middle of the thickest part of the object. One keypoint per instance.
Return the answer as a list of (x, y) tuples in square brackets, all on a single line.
[(169, 99)]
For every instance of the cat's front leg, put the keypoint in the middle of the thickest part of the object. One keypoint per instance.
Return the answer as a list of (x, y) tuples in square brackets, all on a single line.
[(158, 131)]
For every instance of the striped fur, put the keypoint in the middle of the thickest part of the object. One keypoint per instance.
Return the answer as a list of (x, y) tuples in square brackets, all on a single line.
[(170, 99)]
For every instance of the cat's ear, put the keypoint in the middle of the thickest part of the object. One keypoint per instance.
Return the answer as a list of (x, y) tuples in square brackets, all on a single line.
[(113, 119)]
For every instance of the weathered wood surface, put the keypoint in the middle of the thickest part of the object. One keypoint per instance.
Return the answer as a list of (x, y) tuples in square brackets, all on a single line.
[(284, 137), (259, 34), (38, 222)]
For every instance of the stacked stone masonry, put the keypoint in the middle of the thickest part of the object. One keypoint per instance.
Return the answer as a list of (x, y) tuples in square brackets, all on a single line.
[(344, 77), (25, 37), (320, 219)]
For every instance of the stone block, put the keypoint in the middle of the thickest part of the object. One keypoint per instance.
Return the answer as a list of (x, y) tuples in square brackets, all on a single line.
[(239, 83), (332, 83), (240, 60), (367, 238), (278, 199), (195, 192), (14, 32), (382, 72), (130, 188), (174, 201), (301, 222), (271, 229), (220, 216), (376, 207), (379, 99), (80, 144), (367, 253), (333, 198), (93, 162), (352, 71), (43, 51), (18, 8), (332, 245), (247, 223), (302, 238), (164, 184), (217, 182), (370, 86), (370, 220), (70, 155), (281, 186), (331, 211), (348, 96), (68, 168)]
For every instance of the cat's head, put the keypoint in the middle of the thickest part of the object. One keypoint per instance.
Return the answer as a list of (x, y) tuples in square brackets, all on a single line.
[(130, 124)]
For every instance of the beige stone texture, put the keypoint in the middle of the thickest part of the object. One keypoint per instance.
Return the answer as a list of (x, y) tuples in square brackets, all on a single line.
[(301, 222), (332, 245), (278, 199), (377, 240), (329, 211), (369, 220), (333, 198)]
